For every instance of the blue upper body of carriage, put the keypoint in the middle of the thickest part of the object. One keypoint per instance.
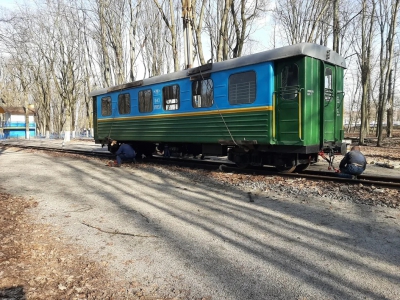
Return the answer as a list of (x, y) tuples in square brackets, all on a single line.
[(264, 73)]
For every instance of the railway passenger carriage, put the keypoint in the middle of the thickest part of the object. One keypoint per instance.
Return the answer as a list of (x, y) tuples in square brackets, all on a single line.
[(279, 107)]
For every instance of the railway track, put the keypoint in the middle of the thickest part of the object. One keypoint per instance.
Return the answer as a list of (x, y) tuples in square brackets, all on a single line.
[(380, 181), (207, 164), (63, 150), (388, 181)]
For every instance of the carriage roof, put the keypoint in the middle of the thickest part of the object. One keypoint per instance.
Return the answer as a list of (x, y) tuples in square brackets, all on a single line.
[(304, 49)]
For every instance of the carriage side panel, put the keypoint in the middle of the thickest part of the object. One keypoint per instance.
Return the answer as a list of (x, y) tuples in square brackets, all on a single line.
[(223, 122)]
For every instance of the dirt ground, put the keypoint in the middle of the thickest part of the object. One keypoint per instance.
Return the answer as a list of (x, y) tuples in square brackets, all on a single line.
[(390, 150), (37, 263)]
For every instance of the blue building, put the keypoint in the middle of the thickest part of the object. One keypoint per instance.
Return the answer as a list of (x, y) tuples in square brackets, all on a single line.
[(12, 122)]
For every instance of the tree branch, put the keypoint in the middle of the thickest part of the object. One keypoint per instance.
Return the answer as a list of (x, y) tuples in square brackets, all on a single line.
[(117, 232)]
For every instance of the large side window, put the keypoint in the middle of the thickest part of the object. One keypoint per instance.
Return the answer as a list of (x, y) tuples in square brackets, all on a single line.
[(202, 93), (290, 81), (171, 97), (328, 84), (242, 88), (145, 101), (124, 104), (106, 106)]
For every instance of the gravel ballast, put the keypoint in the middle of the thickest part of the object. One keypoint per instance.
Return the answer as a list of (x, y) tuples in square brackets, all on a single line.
[(184, 236)]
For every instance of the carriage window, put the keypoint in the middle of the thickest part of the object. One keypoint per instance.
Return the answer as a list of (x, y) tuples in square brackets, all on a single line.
[(145, 101), (202, 93), (124, 104), (242, 88), (290, 81), (328, 84), (106, 106), (171, 97)]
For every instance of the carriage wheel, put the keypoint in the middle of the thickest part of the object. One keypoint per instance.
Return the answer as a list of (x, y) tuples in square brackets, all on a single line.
[(302, 167), (285, 168)]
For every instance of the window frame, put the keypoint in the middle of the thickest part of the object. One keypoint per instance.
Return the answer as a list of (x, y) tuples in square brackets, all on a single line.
[(105, 113), (233, 87), (143, 99), (167, 95), (290, 91), (328, 90), (126, 105), (207, 94)]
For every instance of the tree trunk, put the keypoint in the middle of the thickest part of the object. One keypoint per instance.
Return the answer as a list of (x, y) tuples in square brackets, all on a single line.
[(366, 40), (386, 57), (173, 31), (336, 27), (198, 30), (67, 124), (389, 112), (27, 134), (222, 42), (104, 49), (132, 37)]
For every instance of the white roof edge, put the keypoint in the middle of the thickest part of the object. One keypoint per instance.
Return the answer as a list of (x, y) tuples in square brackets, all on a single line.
[(98, 92)]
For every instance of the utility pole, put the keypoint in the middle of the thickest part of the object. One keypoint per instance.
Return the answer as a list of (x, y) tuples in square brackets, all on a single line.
[(187, 12)]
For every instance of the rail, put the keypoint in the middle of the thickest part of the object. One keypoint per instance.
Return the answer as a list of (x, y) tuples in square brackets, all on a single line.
[(382, 181)]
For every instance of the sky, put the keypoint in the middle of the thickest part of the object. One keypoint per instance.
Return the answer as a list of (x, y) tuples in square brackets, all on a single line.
[(7, 3)]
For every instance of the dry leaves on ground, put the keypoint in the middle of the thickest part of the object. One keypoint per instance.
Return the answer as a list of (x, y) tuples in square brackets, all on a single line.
[(35, 263)]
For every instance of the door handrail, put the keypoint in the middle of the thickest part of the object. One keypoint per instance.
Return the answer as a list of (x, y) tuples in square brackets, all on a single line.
[(273, 114), (300, 111)]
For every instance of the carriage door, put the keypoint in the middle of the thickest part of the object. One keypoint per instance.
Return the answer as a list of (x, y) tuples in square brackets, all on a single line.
[(287, 110), (329, 104)]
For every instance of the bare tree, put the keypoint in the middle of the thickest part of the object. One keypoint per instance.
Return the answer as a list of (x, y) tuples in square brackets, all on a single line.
[(335, 5), (302, 20), (249, 12), (367, 30), (103, 42), (114, 18), (391, 97), (168, 15), (66, 63), (229, 25), (222, 38), (16, 39), (198, 28), (387, 20), (24, 83), (134, 16), (353, 104), (152, 45)]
